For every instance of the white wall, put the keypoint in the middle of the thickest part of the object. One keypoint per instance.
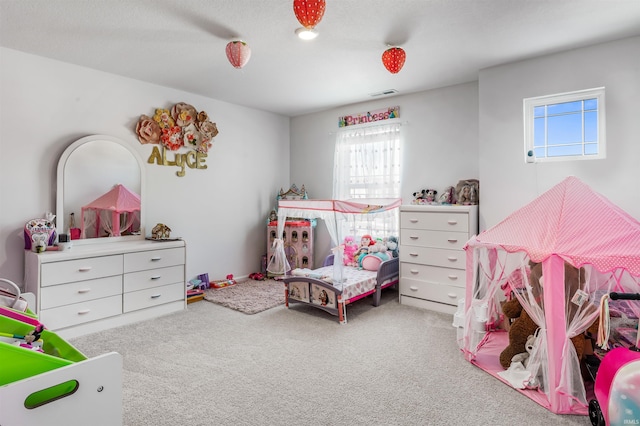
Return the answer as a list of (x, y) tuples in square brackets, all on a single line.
[(439, 148), (507, 182), (221, 212)]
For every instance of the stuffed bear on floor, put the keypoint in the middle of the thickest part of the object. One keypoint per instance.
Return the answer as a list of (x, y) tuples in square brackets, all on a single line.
[(523, 325)]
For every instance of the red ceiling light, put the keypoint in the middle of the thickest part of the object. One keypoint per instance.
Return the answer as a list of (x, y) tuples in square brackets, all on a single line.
[(238, 53), (309, 12), (393, 59)]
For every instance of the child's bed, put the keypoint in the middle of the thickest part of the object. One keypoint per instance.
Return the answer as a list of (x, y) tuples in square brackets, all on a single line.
[(315, 287)]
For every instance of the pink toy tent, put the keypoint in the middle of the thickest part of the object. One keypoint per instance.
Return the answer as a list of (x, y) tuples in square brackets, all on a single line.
[(112, 214), (570, 224)]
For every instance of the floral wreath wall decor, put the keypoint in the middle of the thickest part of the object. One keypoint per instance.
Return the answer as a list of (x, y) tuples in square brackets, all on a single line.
[(175, 129)]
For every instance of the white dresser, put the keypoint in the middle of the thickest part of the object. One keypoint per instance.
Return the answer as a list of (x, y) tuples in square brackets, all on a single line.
[(432, 259), (92, 287)]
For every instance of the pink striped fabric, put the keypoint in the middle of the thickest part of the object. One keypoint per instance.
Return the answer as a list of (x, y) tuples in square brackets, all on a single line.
[(574, 222)]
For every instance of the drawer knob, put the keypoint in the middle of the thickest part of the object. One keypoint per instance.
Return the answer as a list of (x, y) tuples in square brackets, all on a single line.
[(413, 271), (85, 269), (413, 237), (157, 277), (452, 259), (453, 277), (413, 288), (452, 222), (453, 240), (413, 254), (413, 220), (84, 311), (84, 290), (452, 295), (155, 259), (155, 296)]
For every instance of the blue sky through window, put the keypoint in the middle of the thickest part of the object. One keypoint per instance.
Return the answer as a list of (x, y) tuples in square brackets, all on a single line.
[(566, 129)]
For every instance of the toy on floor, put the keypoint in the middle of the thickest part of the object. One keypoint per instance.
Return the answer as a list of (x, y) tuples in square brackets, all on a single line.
[(523, 325), (224, 283), (256, 276), (617, 380)]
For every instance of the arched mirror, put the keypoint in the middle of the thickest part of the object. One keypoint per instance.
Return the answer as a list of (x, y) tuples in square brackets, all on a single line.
[(102, 177)]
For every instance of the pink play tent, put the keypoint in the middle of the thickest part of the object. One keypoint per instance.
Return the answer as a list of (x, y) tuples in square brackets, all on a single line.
[(569, 223), (113, 214)]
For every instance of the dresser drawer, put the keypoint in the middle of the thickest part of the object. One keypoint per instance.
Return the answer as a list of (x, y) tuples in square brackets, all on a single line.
[(438, 239), (433, 256), (79, 313), (135, 281), (152, 259), (80, 291), (153, 296), (438, 221), (433, 274), (80, 270), (437, 292)]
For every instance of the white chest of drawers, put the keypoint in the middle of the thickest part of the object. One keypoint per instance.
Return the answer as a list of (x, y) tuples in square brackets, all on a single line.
[(92, 287), (432, 259)]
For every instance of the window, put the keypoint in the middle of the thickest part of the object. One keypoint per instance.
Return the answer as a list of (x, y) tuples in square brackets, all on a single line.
[(367, 165), (567, 126)]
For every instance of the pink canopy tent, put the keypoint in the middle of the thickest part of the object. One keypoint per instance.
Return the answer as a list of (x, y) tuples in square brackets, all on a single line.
[(570, 223), (102, 217)]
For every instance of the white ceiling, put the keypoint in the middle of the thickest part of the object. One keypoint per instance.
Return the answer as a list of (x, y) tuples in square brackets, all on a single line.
[(181, 44)]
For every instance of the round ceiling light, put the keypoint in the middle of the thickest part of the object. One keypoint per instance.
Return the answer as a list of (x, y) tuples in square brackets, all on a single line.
[(306, 33)]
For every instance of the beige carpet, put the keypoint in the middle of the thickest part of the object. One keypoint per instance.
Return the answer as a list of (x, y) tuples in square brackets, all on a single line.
[(249, 296)]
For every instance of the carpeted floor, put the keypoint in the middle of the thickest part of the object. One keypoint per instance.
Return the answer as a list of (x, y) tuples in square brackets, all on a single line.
[(390, 365), (249, 296)]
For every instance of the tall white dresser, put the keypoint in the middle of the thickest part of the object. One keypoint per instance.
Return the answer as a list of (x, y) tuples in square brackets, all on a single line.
[(432, 259), (92, 287)]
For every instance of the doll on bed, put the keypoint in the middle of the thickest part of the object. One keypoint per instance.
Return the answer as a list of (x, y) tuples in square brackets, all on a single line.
[(365, 242)]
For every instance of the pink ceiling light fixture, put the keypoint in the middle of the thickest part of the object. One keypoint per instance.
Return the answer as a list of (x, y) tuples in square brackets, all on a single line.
[(393, 59), (238, 53), (309, 13)]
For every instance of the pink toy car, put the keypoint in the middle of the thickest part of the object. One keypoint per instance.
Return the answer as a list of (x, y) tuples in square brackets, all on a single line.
[(617, 382)]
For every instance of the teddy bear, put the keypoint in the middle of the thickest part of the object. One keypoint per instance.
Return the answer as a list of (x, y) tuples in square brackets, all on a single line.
[(523, 325)]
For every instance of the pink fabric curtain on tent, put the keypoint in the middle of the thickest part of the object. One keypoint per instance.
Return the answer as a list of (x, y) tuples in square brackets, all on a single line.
[(569, 230), (115, 213)]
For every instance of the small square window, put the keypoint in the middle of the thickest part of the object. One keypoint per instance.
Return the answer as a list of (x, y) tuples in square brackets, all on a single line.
[(566, 126)]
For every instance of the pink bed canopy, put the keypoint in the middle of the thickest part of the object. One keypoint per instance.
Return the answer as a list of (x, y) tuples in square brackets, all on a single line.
[(338, 216), (569, 223), (112, 214)]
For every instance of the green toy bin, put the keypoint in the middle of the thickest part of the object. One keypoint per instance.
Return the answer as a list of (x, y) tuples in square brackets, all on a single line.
[(20, 363)]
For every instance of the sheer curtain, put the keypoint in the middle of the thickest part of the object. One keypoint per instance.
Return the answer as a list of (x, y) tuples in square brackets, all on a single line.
[(367, 165)]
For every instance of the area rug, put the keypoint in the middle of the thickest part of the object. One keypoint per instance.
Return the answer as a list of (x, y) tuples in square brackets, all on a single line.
[(249, 296)]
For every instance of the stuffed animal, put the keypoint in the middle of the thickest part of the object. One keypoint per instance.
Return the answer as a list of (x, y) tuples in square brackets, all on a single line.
[(392, 246), (430, 195), (419, 195), (523, 326), (350, 248), (524, 357)]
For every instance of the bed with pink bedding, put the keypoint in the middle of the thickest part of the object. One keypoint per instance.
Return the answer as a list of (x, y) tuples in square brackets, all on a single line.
[(316, 287)]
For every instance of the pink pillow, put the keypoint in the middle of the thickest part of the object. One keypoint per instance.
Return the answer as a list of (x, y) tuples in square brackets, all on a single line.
[(371, 262)]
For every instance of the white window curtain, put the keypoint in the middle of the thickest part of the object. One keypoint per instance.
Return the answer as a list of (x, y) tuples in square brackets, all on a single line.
[(367, 165)]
